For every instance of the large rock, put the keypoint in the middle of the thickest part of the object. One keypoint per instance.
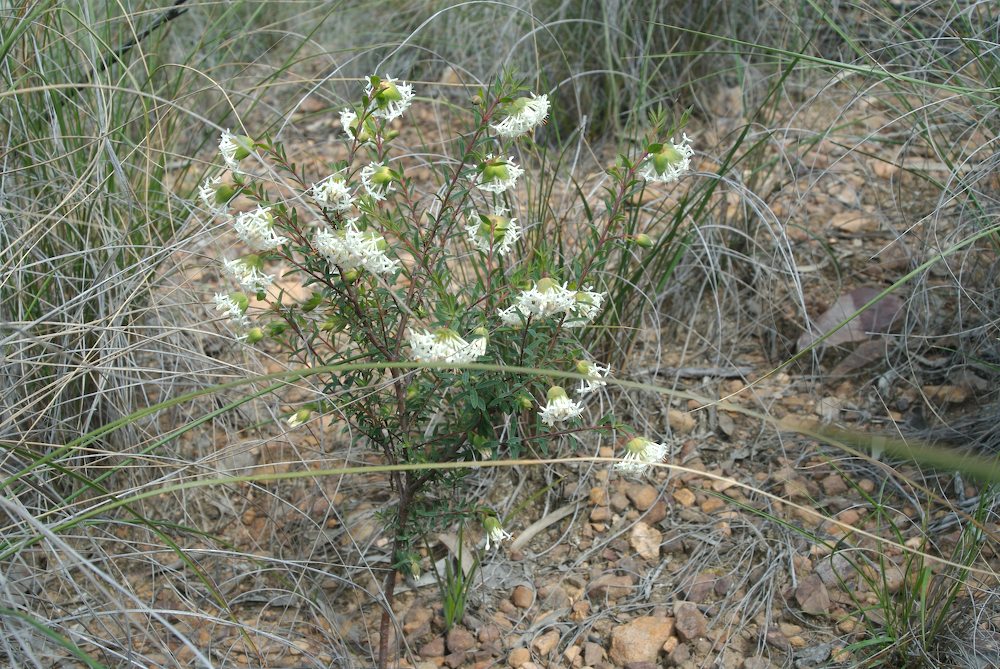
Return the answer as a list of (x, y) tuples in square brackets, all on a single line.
[(639, 640)]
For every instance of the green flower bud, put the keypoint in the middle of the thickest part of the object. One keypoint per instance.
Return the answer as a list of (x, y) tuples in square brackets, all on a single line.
[(241, 300), (334, 324), (277, 328), (386, 92), (546, 284), (384, 176), (244, 146), (495, 170), (582, 367), (556, 393), (300, 417), (254, 335), (644, 241), (412, 392), (525, 402), (350, 275), (666, 157), (224, 194)]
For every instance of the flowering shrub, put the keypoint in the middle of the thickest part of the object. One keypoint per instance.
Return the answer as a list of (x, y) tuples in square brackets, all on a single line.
[(380, 263)]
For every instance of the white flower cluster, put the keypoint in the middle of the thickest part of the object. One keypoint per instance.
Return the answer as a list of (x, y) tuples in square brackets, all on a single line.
[(669, 163), (256, 229), (208, 193), (377, 180), (333, 192), (495, 532), (560, 407), (523, 115), (234, 148), (547, 298), (496, 175), (640, 454), (350, 248), (445, 345), (498, 232), (596, 373), (390, 99), (234, 309), (248, 274)]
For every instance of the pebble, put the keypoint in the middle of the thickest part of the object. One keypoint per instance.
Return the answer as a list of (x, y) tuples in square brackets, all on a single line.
[(684, 497), (460, 640), (433, 648), (642, 496), (546, 643), (522, 597), (645, 540), (690, 622), (612, 586), (519, 657), (593, 654), (639, 640)]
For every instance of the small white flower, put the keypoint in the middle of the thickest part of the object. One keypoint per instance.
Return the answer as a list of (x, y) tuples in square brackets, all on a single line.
[(234, 306), (496, 175), (523, 115), (596, 373), (546, 298), (247, 272), (640, 453), (365, 132), (559, 408), (495, 532), (390, 99), (497, 232), (350, 248), (377, 179), (669, 163), (299, 418), (445, 345), (208, 191), (234, 148), (586, 306), (333, 192), (256, 229)]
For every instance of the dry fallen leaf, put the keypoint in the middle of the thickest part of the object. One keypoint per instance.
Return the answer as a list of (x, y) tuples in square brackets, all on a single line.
[(880, 318)]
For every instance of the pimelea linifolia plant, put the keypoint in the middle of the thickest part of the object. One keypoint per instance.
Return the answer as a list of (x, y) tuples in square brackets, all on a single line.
[(442, 280)]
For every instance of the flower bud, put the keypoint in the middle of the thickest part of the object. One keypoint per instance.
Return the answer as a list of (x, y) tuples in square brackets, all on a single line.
[(224, 194), (391, 135), (644, 241), (547, 284), (525, 402), (241, 300), (244, 146), (412, 392), (350, 275), (496, 170), (276, 329), (254, 335), (556, 393), (666, 158), (334, 324), (300, 417)]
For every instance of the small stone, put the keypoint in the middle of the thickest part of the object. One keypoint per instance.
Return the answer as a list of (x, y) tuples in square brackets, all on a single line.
[(645, 540), (656, 513), (684, 497), (488, 633), (611, 586), (593, 654), (416, 618), (681, 421), (580, 611), (701, 587), (642, 495), (619, 502), (833, 485), (812, 596), (522, 597), (600, 514), (460, 640), (455, 660), (433, 648), (679, 655), (519, 657), (546, 643), (572, 654), (639, 640), (712, 504), (599, 496), (690, 621)]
